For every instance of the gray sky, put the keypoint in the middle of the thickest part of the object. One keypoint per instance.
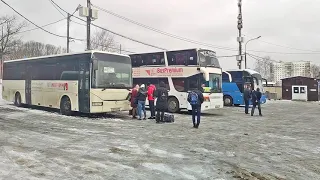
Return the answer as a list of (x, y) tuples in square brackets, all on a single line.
[(291, 23)]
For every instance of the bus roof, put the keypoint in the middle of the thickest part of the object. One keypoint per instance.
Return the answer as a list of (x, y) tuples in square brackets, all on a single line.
[(172, 50), (250, 71), (65, 54)]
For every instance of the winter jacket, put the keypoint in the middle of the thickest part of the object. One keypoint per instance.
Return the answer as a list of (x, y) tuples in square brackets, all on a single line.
[(134, 95), (200, 97), (162, 98), (151, 89), (256, 96), (142, 94), (246, 94)]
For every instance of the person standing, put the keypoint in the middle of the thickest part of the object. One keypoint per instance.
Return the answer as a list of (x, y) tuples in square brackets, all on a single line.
[(141, 97), (256, 97), (195, 98), (246, 99), (151, 89), (162, 101), (134, 102)]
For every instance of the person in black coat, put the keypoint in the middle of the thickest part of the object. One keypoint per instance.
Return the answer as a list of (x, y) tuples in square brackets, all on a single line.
[(162, 101), (246, 98), (256, 97)]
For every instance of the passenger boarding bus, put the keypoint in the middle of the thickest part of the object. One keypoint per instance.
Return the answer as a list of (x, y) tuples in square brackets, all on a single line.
[(234, 82), (89, 82), (181, 70)]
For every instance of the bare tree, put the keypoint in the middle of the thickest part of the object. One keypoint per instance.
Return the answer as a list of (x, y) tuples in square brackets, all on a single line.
[(104, 41), (315, 71), (9, 29), (34, 49), (264, 67)]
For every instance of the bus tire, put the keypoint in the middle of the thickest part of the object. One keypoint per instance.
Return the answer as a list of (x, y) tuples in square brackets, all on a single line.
[(173, 105), (65, 106), (227, 101), (17, 100)]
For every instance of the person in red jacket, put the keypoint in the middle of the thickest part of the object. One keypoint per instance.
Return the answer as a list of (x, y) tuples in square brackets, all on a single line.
[(134, 102), (151, 89)]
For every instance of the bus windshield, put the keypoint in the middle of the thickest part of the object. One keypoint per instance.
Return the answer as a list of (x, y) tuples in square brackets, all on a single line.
[(208, 58), (214, 85), (113, 71)]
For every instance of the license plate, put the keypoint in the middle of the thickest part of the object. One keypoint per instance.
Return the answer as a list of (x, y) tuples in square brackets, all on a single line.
[(217, 106), (115, 109)]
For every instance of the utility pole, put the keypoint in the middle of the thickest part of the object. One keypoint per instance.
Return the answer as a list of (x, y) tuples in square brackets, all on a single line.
[(240, 38), (68, 32), (91, 15), (88, 24)]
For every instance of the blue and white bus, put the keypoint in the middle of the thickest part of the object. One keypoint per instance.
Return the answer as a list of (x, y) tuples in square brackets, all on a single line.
[(234, 82)]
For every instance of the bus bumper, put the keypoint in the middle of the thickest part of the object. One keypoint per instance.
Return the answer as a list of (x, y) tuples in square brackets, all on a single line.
[(110, 106)]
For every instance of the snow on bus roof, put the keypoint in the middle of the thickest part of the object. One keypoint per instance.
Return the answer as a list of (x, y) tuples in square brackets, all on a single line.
[(65, 54), (250, 71), (172, 50)]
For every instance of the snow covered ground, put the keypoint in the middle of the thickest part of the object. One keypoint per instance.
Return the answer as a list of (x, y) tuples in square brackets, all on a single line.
[(283, 144)]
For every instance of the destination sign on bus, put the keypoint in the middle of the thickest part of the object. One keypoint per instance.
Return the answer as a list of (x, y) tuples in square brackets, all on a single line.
[(160, 71)]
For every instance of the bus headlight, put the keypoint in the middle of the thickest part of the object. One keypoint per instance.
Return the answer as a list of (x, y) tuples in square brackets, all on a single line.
[(97, 103)]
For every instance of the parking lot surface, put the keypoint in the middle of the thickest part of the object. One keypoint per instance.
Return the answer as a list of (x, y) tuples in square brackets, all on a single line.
[(283, 144)]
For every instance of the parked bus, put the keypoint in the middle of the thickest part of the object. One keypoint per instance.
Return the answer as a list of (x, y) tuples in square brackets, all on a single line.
[(181, 70), (89, 82), (234, 82)]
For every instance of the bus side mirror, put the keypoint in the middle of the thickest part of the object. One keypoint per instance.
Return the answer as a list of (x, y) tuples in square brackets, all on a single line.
[(95, 64)]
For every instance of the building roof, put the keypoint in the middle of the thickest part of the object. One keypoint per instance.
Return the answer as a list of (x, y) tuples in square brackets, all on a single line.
[(299, 77)]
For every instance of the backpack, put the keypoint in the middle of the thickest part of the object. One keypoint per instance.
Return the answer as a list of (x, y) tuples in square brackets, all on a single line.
[(162, 95), (193, 98)]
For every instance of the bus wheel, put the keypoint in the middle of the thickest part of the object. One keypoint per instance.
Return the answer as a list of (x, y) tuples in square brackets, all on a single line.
[(173, 105), (227, 101), (17, 100), (65, 106)]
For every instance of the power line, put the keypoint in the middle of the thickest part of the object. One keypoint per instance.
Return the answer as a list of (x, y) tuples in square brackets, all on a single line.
[(288, 47), (32, 22), (57, 9), (190, 40), (113, 31), (255, 57), (41, 26), (163, 32), (228, 56)]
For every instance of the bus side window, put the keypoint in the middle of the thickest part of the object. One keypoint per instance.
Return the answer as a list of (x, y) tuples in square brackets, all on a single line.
[(179, 84), (166, 82)]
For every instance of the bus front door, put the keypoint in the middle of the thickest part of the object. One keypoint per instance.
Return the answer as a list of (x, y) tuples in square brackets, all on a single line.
[(84, 87), (28, 85)]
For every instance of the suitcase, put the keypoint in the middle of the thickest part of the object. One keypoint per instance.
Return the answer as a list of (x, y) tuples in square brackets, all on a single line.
[(168, 118)]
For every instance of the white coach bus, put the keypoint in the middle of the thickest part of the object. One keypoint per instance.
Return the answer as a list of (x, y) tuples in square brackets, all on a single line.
[(88, 82), (181, 71)]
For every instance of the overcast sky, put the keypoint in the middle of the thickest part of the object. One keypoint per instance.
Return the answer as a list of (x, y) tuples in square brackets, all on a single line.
[(290, 23)]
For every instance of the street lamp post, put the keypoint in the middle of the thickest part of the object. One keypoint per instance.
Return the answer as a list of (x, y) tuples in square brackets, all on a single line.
[(245, 51)]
